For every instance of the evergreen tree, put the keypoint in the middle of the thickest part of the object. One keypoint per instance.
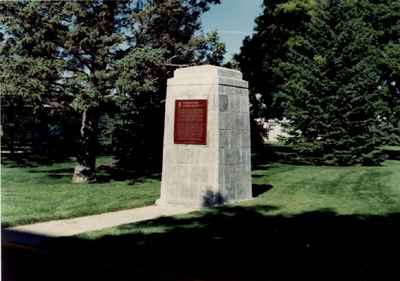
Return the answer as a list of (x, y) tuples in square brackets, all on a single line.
[(138, 131), (61, 51), (263, 55), (72, 53), (384, 17), (332, 93)]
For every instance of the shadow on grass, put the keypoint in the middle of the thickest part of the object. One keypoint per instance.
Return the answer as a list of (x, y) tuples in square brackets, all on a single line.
[(281, 153), (392, 154), (106, 172), (271, 153), (245, 243), (56, 173), (258, 189), (25, 160), (112, 173)]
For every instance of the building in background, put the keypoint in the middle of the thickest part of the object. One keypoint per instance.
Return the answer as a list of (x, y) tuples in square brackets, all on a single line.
[(273, 127)]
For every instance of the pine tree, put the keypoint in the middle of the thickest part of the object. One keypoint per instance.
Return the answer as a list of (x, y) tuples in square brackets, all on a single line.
[(384, 17), (332, 94), (263, 55), (137, 135), (73, 53)]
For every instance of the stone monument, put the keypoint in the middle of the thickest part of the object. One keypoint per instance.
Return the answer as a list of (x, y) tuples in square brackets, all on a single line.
[(206, 157)]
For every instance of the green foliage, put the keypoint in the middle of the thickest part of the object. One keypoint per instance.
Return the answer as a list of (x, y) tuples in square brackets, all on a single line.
[(163, 39), (263, 55), (29, 59), (292, 40), (331, 95), (103, 57), (384, 17)]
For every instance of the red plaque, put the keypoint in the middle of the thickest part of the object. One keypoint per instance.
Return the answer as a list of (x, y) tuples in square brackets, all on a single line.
[(190, 122)]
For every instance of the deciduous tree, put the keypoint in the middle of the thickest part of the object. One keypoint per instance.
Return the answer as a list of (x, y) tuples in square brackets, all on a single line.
[(263, 55)]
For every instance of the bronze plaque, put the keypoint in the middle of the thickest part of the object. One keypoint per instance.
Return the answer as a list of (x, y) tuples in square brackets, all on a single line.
[(190, 125)]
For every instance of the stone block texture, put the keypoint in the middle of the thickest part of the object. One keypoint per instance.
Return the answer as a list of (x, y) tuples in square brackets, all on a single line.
[(218, 172)]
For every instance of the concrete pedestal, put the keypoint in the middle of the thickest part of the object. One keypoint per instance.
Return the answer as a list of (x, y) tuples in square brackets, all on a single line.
[(219, 171)]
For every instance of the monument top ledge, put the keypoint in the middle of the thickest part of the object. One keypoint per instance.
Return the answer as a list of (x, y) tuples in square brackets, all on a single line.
[(207, 74), (208, 70)]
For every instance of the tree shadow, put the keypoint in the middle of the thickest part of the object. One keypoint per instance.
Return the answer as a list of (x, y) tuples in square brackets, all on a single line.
[(259, 189), (19, 237), (114, 173), (271, 153), (392, 154), (105, 172), (61, 173), (246, 243), (24, 160)]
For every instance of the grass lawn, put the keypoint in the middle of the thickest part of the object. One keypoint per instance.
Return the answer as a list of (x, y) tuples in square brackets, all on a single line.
[(305, 223), (34, 189)]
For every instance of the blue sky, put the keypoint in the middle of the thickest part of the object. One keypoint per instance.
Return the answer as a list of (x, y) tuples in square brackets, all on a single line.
[(234, 20)]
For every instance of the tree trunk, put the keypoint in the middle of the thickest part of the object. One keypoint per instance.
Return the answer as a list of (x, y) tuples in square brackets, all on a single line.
[(85, 166)]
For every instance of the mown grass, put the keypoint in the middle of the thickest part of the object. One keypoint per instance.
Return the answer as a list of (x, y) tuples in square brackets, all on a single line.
[(36, 189), (305, 223), (343, 190)]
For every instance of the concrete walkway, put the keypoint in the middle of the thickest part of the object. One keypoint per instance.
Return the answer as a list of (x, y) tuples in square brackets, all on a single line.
[(34, 234)]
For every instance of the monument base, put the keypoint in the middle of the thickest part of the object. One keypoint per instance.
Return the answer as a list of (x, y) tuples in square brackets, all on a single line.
[(198, 204)]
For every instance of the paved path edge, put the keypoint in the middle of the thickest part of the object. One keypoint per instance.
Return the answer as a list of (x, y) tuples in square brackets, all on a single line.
[(34, 234)]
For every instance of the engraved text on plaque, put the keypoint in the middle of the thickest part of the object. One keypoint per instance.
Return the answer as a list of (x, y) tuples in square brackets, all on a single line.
[(190, 125)]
